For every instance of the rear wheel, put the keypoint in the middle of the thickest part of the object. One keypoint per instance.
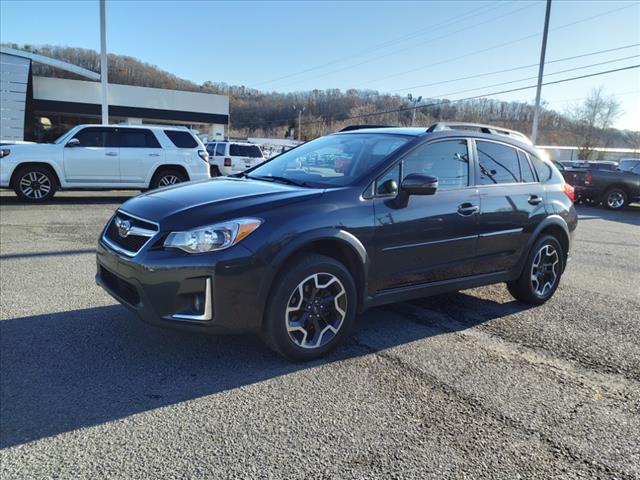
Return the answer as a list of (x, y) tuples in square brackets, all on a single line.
[(312, 308), (215, 171), (541, 273), (615, 198), (35, 184), (164, 178)]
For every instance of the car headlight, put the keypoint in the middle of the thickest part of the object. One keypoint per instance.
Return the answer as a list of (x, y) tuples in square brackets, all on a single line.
[(212, 237)]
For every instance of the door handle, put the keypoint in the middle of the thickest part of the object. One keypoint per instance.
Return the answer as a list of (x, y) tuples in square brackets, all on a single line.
[(534, 200), (154, 154), (111, 154), (466, 209)]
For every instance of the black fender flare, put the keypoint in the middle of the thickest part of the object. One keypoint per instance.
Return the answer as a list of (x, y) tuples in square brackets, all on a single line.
[(300, 242), (550, 221)]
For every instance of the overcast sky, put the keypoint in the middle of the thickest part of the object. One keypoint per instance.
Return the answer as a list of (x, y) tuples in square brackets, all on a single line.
[(423, 48)]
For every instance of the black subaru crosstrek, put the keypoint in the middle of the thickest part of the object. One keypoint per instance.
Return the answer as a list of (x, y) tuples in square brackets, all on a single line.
[(294, 248)]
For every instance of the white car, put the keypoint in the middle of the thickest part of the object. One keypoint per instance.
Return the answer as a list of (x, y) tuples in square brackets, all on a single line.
[(229, 158), (96, 157)]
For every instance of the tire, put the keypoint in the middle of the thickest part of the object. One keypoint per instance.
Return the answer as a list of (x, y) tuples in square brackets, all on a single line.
[(536, 285), (215, 171), (35, 184), (166, 177), (303, 322), (615, 199)]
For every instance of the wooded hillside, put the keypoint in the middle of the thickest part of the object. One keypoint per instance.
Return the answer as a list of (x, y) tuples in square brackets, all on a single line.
[(258, 113)]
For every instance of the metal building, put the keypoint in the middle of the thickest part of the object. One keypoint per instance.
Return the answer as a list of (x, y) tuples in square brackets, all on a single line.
[(42, 108)]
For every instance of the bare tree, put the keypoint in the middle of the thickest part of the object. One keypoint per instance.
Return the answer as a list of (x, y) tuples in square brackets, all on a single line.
[(593, 118)]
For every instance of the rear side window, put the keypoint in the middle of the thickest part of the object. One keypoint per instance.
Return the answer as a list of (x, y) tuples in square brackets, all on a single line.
[(220, 149), (181, 139), (525, 168), (498, 163), (211, 148), (97, 137), (236, 150), (542, 169), (138, 138)]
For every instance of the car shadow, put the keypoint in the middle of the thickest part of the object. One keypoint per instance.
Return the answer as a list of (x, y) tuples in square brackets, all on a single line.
[(630, 214), (68, 370), (115, 198)]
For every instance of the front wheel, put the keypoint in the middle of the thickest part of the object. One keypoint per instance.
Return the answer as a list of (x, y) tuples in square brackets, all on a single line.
[(615, 199), (312, 308), (35, 184), (541, 273)]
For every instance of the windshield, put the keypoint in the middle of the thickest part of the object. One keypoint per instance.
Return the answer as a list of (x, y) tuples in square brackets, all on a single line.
[(335, 160), (66, 134), (236, 150), (628, 165)]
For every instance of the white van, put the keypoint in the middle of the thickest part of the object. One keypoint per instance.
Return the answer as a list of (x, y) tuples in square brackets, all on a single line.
[(228, 158)]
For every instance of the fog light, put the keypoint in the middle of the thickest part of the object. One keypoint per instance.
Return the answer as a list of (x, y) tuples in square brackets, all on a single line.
[(198, 303)]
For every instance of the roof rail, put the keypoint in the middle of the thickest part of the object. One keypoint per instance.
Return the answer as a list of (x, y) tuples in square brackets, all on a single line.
[(490, 129), (349, 128)]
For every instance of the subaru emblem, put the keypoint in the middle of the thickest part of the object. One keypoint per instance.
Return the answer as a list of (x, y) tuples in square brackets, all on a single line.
[(123, 226)]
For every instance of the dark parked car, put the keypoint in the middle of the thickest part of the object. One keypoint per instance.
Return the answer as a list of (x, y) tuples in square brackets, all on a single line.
[(293, 249), (613, 188)]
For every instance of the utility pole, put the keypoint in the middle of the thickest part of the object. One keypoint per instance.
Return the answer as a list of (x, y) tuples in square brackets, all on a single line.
[(415, 102), (543, 51), (300, 122), (103, 65)]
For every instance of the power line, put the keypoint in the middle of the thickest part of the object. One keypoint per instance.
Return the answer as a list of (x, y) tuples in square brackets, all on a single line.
[(513, 69), (394, 52), (404, 109), (499, 45), (446, 101), (397, 40), (569, 100), (534, 77)]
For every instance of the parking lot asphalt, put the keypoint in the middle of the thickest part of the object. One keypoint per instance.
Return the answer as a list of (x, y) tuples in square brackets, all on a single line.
[(465, 385)]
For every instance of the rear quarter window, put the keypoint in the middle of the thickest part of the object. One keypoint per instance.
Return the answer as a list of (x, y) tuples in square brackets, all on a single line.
[(542, 169), (181, 139)]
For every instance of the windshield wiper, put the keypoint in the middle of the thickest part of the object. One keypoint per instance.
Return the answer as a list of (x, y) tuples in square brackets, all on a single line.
[(274, 178)]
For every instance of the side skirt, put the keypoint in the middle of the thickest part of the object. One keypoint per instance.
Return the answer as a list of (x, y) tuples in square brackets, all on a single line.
[(401, 294)]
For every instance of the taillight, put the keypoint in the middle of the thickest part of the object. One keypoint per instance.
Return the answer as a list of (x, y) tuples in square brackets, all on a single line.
[(227, 162), (588, 178), (569, 191), (203, 155), (4, 152)]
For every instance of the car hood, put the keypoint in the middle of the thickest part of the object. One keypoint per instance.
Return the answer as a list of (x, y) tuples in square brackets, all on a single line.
[(31, 149), (218, 199)]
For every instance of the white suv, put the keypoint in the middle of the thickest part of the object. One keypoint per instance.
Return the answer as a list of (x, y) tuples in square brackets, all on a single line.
[(96, 157), (228, 158)]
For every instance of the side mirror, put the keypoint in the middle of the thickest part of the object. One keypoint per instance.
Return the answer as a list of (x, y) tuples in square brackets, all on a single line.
[(74, 142), (419, 184), (415, 184)]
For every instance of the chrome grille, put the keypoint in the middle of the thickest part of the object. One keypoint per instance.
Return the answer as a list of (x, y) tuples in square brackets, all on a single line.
[(128, 234)]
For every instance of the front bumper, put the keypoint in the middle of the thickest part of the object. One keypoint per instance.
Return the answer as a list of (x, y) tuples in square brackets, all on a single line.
[(161, 287)]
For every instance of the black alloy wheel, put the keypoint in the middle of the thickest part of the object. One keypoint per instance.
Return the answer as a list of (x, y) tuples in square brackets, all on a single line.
[(312, 308), (541, 274)]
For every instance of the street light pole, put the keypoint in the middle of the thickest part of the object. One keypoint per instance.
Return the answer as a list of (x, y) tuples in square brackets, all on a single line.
[(103, 64), (415, 102), (300, 122), (543, 51)]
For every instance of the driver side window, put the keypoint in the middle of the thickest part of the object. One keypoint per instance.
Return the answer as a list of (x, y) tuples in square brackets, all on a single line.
[(447, 160)]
